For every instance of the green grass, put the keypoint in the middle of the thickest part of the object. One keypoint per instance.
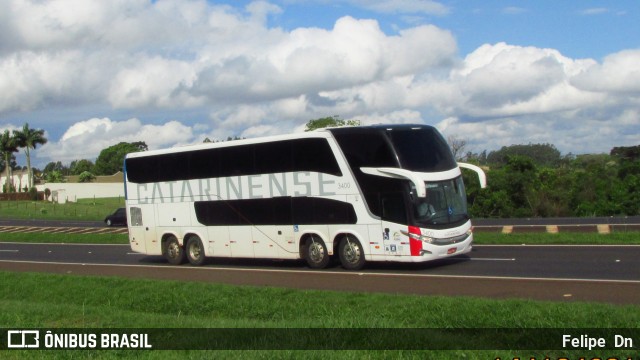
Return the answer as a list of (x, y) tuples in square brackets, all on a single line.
[(30, 300), (44, 238), (615, 238), (83, 209)]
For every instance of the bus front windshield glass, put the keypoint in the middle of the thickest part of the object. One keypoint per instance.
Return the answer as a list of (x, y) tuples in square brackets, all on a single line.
[(445, 204)]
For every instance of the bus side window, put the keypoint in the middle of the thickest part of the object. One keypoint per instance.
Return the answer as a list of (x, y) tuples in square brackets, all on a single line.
[(136, 216), (393, 208)]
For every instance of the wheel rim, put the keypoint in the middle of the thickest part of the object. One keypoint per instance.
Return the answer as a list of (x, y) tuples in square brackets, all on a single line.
[(352, 253), (316, 252), (173, 249), (195, 250)]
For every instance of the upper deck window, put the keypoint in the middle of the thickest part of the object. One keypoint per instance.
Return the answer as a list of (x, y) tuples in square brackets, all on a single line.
[(297, 155)]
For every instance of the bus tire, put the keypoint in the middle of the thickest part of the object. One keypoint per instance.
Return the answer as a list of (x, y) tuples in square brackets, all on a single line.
[(172, 251), (351, 253), (195, 251), (315, 253)]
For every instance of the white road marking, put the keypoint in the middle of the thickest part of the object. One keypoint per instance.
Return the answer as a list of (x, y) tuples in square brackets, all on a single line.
[(492, 259), (312, 272), (557, 245), (9, 250)]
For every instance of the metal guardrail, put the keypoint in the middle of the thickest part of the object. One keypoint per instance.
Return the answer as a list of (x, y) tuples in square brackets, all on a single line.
[(63, 230), (554, 229)]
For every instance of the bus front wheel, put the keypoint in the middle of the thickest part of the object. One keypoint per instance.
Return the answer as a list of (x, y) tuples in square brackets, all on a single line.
[(173, 252), (351, 254), (316, 253), (195, 251)]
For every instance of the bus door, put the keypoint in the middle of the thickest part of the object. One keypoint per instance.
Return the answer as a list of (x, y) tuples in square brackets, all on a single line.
[(142, 229), (394, 220)]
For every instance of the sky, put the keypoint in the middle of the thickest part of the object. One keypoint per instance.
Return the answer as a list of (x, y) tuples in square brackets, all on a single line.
[(493, 73)]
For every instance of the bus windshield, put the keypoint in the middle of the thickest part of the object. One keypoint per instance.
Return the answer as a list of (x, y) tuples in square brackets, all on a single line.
[(422, 149), (445, 204)]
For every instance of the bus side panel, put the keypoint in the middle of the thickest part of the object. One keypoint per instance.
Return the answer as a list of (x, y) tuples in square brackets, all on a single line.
[(174, 214), (377, 241), (241, 241), (142, 229), (274, 241), (218, 241), (265, 241), (136, 229)]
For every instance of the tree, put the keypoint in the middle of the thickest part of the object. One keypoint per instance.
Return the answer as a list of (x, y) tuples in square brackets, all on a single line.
[(86, 177), (55, 176), (77, 167), (8, 145), (630, 153), (28, 138), (111, 159), (12, 163), (329, 121), (541, 154), (457, 146), (56, 166)]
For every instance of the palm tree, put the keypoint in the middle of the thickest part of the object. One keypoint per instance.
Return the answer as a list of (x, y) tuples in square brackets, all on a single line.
[(7, 146), (28, 139)]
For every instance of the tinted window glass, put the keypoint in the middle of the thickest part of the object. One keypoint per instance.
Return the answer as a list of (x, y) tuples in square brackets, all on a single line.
[(416, 148), (312, 155), (368, 147), (235, 161), (422, 149), (275, 211), (273, 158), (365, 148), (393, 207)]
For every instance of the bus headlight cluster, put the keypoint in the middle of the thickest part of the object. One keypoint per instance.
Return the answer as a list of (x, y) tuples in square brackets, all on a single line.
[(414, 234)]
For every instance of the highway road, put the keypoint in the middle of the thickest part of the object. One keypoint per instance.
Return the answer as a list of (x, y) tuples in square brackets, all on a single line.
[(585, 224), (559, 273)]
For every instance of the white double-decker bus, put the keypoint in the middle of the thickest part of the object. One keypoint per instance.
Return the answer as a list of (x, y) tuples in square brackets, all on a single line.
[(370, 193)]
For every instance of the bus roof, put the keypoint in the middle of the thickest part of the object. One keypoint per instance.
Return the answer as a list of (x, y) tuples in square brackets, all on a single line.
[(319, 133), (222, 144)]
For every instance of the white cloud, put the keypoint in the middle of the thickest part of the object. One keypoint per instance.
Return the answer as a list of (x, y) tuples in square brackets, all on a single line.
[(85, 139), (619, 73), (514, 10), (594, 11)]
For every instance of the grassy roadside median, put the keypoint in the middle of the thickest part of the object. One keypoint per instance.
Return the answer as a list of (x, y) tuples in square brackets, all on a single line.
[(83, 210)]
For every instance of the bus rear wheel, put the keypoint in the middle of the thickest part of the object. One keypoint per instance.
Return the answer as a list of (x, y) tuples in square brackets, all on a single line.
[(195, 251), (173, 252), (315, 253), (351, 254)]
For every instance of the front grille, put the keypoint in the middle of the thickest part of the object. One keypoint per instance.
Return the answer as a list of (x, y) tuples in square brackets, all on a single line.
[(451, 240)]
